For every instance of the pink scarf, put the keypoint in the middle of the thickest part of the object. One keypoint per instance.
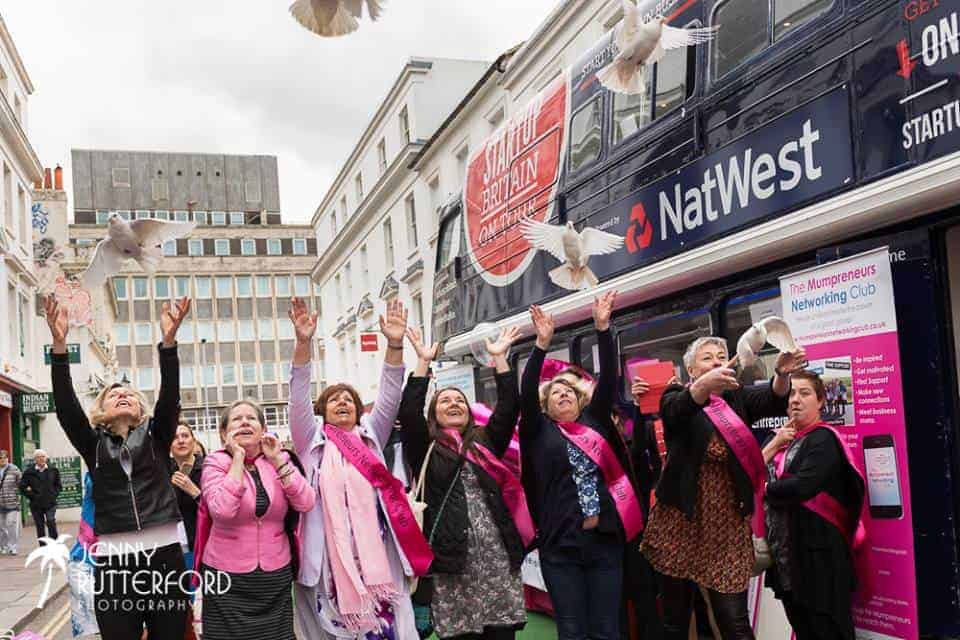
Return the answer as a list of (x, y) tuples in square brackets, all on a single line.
[(361, 579)]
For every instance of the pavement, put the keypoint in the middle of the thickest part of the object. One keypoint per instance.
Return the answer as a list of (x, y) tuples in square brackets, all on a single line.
[(21, 586)]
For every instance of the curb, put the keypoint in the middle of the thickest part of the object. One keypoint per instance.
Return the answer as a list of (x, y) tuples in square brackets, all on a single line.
[(34, 612)]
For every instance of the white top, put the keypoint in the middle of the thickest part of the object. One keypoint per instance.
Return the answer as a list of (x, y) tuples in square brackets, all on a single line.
[(146, 540)]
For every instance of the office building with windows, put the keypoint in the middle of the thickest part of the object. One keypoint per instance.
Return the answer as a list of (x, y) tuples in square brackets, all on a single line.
[(240, 266)]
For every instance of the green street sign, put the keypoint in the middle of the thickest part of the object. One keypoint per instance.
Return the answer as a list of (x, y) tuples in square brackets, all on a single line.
[(37, 403), (73, 350)]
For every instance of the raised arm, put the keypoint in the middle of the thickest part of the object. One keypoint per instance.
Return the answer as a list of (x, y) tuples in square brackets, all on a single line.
[(70, 413), (530, 412), (167, 410), (300, 495), (413, 433), (504, 419), (601, 404), (303, 424), (393, 325)]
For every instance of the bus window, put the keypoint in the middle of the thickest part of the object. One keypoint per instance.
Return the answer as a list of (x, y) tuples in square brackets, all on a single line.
[(664, 338), (741, 313), (747, 28), (449, 241), (585, 134), (487, 387), (559, 350), (630, 113)]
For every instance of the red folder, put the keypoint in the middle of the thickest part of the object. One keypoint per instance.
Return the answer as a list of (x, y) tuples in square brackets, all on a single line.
[(657, 374)]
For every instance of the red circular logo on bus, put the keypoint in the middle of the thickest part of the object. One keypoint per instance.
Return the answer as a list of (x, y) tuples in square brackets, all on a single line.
[(514, 176)]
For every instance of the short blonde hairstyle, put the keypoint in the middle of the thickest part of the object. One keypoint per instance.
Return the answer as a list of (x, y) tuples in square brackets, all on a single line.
[(583, 398), (98, 416)]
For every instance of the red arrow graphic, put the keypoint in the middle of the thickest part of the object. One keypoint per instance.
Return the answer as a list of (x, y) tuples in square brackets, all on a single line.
[(906, 64)]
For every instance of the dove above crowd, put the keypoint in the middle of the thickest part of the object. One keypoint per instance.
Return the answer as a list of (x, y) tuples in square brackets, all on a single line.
[(328, 533)]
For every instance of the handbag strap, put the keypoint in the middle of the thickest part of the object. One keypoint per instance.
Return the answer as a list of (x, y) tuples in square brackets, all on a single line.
[(446, 497), (421, 481)]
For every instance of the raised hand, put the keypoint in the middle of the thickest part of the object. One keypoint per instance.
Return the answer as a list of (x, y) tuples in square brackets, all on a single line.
[(638, 389), (304, 323), (791, 361), (501, 345), (394, 324), (603, 309), (59, 322), (185, 484), (424, 353), (543, 325), (270, 445), (171, 318)]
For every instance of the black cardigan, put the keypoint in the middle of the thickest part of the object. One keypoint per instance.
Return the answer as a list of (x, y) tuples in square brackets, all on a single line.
[(546, 472), (449, 543), (187, 504), (821, 569), (687, 431)]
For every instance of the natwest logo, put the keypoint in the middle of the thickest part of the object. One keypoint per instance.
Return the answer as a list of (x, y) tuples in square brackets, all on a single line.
[(640, 232)]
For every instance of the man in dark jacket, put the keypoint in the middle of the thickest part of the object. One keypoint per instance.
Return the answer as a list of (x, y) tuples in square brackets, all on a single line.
[(40, 485)]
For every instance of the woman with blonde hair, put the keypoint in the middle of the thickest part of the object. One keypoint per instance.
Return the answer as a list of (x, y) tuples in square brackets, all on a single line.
[(252, 491), (136, 515), (361, 543)]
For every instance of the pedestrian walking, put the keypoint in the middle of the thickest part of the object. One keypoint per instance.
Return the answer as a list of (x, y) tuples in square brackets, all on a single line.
[(9, 505), (40, 485)]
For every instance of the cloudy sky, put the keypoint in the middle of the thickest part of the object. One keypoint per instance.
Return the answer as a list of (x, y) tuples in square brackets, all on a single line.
[(235, 76)]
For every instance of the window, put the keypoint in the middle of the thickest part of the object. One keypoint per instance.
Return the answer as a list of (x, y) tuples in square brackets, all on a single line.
[(338, 290), (299, 246), (209, 375), (249, 373), (364, 268), (205, 330), (245, 329), (143, 333), (662, 338), (286, 331), (585, 134), (142, 214), (348, 280), (181, 216), (161, 288), (273, 246), (170, 248), (102, 216), (161, 214), (228, 373), (382, 155), (344, 213), (145, 378), (121, 177), (265, 328), (195, 247), (417, 304), (187, 378), (317, 289), (221, 247), (200, 217), (124, 214), (268, 371), (358, 186), (140, 289), (236, 217), (411, 223), (182, 285), (203, 286), (674, 74), (301, 285), (120, 288), (244, 287), (434, 188), (282, 283), (225, 330), (218, 218), (749, 29), (333, 225), (404, 125), (631, 112), (248, 247), (185, 334), (224, 286), (388, 243), (121, 332), (449, 241), (263, 286)]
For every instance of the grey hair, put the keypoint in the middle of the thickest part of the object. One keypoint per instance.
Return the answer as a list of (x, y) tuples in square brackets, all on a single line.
[(40, 452), (691, 353)]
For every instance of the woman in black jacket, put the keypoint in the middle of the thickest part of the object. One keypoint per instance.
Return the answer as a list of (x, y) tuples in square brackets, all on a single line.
[(699, 530), (581, 528), (136, 516), (477, 589), (186, 469)]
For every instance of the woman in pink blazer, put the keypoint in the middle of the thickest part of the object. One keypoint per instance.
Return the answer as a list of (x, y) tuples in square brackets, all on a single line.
[(248, 488)]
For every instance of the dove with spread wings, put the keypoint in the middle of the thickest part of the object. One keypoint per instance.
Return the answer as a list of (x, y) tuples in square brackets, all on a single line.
[(642, 44), (332, 18), (771, 329), (140, 240), (572, 248)]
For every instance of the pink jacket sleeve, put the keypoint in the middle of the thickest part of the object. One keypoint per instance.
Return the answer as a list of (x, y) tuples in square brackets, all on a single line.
[(303, 424), (221, 493), (300, 495)]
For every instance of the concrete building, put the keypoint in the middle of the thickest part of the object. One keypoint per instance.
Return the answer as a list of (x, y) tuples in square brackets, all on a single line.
[(374, 225), (240, 266), (21, 355)]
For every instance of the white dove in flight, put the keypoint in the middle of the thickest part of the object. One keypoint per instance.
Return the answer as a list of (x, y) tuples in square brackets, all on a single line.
[(773, 330), (141, 240), (643, 44), (572, 248), (332, 18)]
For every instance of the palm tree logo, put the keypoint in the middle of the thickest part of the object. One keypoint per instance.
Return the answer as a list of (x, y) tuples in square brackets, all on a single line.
[(54, 552)]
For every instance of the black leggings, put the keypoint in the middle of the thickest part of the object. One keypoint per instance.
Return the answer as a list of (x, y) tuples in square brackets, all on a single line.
[(489, 633), (729, 610), (137, 590)]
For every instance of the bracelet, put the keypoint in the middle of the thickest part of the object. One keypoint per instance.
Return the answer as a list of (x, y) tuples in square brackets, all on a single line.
[(395, 346), (284, 475), (282, 466)]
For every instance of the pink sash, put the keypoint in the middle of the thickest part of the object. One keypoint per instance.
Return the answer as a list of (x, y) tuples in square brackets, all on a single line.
[(404, 524), (825, 505), (510, 487), (745, 448), (595, 447)]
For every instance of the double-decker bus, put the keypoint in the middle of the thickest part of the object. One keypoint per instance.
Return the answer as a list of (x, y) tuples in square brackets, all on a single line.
[(807, 131)]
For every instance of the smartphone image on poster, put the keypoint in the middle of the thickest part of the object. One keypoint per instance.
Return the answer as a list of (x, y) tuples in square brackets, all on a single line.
[(883, 478)]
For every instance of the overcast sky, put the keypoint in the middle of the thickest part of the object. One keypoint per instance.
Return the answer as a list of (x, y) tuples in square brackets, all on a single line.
[(235, 76)]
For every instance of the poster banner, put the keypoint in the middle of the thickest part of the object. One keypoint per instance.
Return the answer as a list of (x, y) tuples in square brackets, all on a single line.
[(843, 314)]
